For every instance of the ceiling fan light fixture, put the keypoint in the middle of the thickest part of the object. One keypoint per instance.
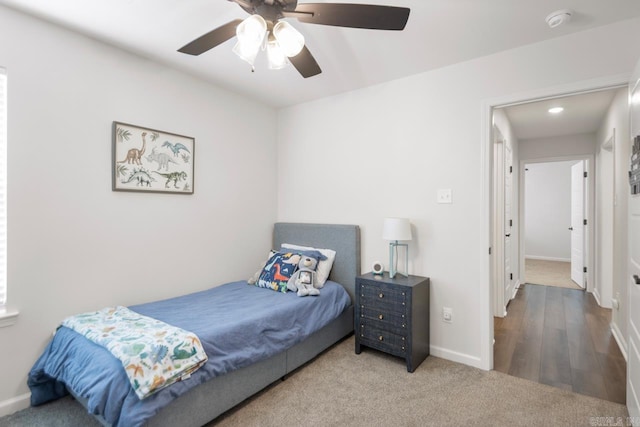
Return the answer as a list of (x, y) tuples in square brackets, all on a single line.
[(252, 30), (276, 56), (250, 33), (246, 52), (290, 40)]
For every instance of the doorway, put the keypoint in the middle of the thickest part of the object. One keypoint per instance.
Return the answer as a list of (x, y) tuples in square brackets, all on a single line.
[(554, 222), (548, 333)]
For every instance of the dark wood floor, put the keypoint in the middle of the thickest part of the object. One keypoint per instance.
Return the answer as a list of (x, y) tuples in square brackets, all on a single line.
[(560, 337)]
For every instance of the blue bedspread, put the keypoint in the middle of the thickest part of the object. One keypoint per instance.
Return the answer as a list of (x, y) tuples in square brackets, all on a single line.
[(238, 325)]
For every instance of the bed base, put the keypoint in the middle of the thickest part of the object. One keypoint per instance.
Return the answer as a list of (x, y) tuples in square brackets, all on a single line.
[(204, 403)]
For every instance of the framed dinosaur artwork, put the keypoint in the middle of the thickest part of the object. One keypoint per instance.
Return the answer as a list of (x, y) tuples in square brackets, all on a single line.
[(152, 161)]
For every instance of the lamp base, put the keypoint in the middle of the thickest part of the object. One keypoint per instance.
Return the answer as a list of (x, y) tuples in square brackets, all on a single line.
[(393, 256)]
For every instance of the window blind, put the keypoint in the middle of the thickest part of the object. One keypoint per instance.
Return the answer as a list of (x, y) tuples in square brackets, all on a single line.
[(3, 187)]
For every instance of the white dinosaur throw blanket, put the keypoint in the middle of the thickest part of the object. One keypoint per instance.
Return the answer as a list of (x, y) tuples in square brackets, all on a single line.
[(153, 353)]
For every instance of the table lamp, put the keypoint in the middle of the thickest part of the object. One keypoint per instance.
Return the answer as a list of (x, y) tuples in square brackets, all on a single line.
[(396, 229)]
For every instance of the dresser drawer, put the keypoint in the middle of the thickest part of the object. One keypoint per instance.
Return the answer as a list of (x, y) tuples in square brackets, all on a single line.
[(383, 340), (381, 296), (383, 318)]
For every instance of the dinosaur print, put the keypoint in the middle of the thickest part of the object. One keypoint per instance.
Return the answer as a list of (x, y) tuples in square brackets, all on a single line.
[(163, 159), (173, 176), (179, 353), (175, 148), (141, 177), (134, 155), (137, 370)]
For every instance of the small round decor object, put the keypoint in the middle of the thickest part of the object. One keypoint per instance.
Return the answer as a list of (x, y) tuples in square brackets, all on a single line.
[(377, 268)]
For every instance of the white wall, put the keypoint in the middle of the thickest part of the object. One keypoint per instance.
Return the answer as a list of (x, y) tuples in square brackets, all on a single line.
[(558, 146), (611, 202), (387, 149), (547, 211), (74, 245)]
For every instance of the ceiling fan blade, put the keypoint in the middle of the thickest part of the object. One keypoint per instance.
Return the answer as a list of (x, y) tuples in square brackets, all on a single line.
[(366, 16), (211, 39), (305, 63)]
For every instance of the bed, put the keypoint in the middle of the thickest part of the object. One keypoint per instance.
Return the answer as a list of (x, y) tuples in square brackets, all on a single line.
[(185, 405)]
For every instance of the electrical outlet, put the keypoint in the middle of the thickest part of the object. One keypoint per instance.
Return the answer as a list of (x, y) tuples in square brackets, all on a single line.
[(444, 196), (447, 314)]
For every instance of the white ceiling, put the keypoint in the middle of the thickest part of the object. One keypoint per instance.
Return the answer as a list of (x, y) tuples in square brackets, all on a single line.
[(582, 114), (439, 33)]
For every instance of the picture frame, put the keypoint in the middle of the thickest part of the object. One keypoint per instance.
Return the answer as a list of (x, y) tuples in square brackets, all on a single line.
[(147, 160)]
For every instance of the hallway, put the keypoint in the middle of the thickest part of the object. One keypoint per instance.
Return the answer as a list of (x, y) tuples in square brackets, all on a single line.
[(560, 337)]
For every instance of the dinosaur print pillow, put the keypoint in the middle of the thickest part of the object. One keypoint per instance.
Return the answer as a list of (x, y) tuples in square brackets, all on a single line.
[(278, 270)]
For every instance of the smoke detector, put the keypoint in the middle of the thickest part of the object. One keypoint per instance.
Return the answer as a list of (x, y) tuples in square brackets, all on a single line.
[(559, 17)]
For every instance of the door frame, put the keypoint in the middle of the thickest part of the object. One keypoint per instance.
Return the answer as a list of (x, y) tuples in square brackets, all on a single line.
[(486, 193), (589, 199), (499, 142)]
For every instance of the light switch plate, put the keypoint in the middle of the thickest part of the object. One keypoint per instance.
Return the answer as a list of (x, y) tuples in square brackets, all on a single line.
[(444, 196)]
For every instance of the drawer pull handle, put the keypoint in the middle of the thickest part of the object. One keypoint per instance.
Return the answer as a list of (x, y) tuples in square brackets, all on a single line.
[(636, 279), (380, 338), (381, 295), (380, 317)]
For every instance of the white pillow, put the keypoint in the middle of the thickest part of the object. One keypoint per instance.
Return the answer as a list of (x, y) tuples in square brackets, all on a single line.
[(324, 266)]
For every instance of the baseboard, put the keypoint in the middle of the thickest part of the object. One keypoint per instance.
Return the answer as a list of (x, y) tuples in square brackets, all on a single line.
[(596, 295), (8, 407), (547, 258), (515, 289), (455, 356), (617, 335)]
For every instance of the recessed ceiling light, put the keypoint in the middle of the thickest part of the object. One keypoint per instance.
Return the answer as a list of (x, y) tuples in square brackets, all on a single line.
[(557, 18), (556, 110)]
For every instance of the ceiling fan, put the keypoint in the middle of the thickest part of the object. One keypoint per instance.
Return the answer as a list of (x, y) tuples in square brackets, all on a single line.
[(265, 29)]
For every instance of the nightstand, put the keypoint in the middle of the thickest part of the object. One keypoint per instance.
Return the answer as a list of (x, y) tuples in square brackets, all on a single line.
[(392, 315)]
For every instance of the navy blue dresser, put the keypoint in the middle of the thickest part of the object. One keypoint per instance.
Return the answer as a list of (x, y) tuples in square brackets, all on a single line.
[(392, 315)]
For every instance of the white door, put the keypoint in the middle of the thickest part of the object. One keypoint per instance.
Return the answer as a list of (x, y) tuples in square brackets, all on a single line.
[(508, 224), (577, 223), (633, 278)]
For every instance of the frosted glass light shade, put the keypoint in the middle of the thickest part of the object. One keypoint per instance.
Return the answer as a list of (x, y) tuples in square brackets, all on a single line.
[(250, 33), (289, 39), (277, 58), (396, 229)]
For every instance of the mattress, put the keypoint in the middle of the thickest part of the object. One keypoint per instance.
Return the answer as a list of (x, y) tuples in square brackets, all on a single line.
[(237, 324)]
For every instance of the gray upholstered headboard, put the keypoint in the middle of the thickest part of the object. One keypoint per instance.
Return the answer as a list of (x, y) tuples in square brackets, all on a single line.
[(344, 239)]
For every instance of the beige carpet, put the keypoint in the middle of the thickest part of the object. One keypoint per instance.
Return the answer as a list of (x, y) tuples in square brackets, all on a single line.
[(549, 273), (341, 388)]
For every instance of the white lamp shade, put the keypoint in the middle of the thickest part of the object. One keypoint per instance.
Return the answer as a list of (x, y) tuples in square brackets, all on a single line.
[(277, 58), (396, 229), (250, 33), (252, 30), (246, 52), (289, 39)]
